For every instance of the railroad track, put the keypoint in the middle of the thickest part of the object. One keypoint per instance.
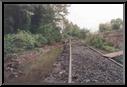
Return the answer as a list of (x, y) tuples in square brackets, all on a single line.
[(70, 64), (81, 64)]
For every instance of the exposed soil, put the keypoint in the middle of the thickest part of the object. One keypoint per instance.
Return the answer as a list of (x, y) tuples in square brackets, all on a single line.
[(59, 73), (14, 64)]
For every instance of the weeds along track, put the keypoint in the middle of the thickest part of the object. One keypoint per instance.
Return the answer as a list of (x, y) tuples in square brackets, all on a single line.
[(59, 73), (90, 67)]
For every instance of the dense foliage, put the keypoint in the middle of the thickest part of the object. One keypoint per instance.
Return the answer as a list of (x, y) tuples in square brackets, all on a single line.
[(98, 42), (22, 40), (27, 26), (30, 17)]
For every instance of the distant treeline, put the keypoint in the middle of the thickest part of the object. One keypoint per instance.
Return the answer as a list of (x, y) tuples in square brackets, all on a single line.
[(114, 24)]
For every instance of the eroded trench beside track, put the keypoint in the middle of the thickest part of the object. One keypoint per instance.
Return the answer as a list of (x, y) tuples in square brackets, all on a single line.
[(59, 73)]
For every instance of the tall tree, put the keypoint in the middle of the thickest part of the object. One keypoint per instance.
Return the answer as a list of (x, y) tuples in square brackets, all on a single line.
[(116, 23), (16, 17), (47, 14)]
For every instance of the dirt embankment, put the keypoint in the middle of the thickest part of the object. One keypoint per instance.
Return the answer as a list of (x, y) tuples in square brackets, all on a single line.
[(114, 37)]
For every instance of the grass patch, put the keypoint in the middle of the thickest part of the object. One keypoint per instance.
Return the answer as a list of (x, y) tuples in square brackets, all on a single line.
[(109, 48), (38, 69)]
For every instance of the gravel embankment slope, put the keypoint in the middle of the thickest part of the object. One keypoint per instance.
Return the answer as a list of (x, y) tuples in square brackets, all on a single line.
[(90, 67)]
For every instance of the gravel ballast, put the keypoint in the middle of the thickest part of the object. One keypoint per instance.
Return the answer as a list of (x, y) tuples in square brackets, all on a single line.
[(88, 67)]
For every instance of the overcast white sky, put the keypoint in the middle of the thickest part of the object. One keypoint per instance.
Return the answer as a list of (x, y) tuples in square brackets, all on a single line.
[(91, 15)]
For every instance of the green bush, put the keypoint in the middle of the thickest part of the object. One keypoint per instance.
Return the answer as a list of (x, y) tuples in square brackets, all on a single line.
[(17, 42), (96, 41), (109, 48), (99, 42), (24, 40), (9, 43), (40, 40), (52, 34)]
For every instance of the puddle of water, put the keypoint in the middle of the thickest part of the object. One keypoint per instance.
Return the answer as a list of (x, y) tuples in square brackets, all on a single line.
[(119, 59)]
